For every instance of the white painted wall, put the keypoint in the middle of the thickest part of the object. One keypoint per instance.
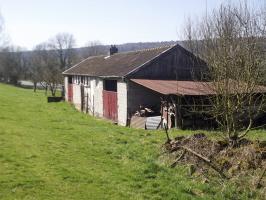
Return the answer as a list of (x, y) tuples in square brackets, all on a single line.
[(122, 102), (94, 89), (91, 95), (87, 93), (66, 87), (98, 97), (77, 96)]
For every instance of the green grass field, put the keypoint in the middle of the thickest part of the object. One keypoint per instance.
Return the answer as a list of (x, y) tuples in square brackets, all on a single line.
[(51, 151)]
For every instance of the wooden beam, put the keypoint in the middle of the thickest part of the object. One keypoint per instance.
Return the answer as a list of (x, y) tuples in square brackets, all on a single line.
[(178, 114)]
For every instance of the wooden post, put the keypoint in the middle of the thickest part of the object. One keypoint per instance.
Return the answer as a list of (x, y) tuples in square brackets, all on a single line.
[(178, 118), (87, 102), (167, 121), (174, 102), (93, 105), (167, 114), (162, 102), (82, 97)]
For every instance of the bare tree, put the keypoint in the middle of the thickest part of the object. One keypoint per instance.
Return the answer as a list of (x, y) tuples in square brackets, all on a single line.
[(45, 68), (4, 38), (232, 41), (62, 45), (93, 48), (52, 73), (13, 64), (62, 56), (13, 61), (4, 48), (37, 67)]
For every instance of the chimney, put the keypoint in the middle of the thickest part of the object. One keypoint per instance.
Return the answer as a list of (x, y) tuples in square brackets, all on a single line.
[(113, 50)]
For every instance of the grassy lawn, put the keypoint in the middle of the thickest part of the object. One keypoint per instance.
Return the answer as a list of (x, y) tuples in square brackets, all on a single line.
[(51, 151)]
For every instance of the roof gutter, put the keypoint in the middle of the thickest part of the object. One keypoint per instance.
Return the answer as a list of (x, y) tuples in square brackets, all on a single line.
[(103, 77)]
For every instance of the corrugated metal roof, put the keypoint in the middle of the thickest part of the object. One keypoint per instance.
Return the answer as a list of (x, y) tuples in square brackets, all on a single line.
[(190, 88), (176, 87), (116, 65)]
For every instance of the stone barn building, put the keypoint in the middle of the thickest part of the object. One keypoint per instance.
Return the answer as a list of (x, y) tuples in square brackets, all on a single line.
[(111, 87)]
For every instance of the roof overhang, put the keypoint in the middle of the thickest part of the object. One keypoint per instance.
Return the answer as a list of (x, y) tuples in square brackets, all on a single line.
[(188, 88), (103, 77), (167, 87)]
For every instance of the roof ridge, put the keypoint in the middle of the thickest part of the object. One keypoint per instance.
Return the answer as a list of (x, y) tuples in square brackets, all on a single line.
[(148, 49), (127, 62), (133, 51)]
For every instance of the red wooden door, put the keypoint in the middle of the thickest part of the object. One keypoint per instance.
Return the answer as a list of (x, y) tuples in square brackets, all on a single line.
[(70, 93), (110, 105)]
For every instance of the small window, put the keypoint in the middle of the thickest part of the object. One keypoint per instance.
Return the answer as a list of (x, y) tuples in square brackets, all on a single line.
[(110, 85), (70, 81)]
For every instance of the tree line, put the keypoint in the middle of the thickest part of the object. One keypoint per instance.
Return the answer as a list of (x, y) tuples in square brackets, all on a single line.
[(232, 41), (44, 64)]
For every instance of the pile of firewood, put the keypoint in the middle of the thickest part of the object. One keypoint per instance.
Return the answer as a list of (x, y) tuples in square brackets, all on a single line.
[(144, 112)]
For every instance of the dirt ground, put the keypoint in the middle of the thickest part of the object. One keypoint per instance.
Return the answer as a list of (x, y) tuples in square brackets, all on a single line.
[(210, 158)]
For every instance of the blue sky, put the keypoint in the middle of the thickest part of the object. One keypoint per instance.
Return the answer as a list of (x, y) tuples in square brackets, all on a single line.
[(29, 22)]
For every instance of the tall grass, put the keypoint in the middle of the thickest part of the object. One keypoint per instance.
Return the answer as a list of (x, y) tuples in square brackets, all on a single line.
[(51, 151)]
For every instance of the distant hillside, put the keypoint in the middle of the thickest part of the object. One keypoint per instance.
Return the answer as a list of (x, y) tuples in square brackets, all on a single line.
[(81, 53), (145, 45), (84, 52)]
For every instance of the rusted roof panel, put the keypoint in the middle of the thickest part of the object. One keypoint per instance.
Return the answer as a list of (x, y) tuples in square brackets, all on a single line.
[(190, 88), (176, 87), (116, 65)]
